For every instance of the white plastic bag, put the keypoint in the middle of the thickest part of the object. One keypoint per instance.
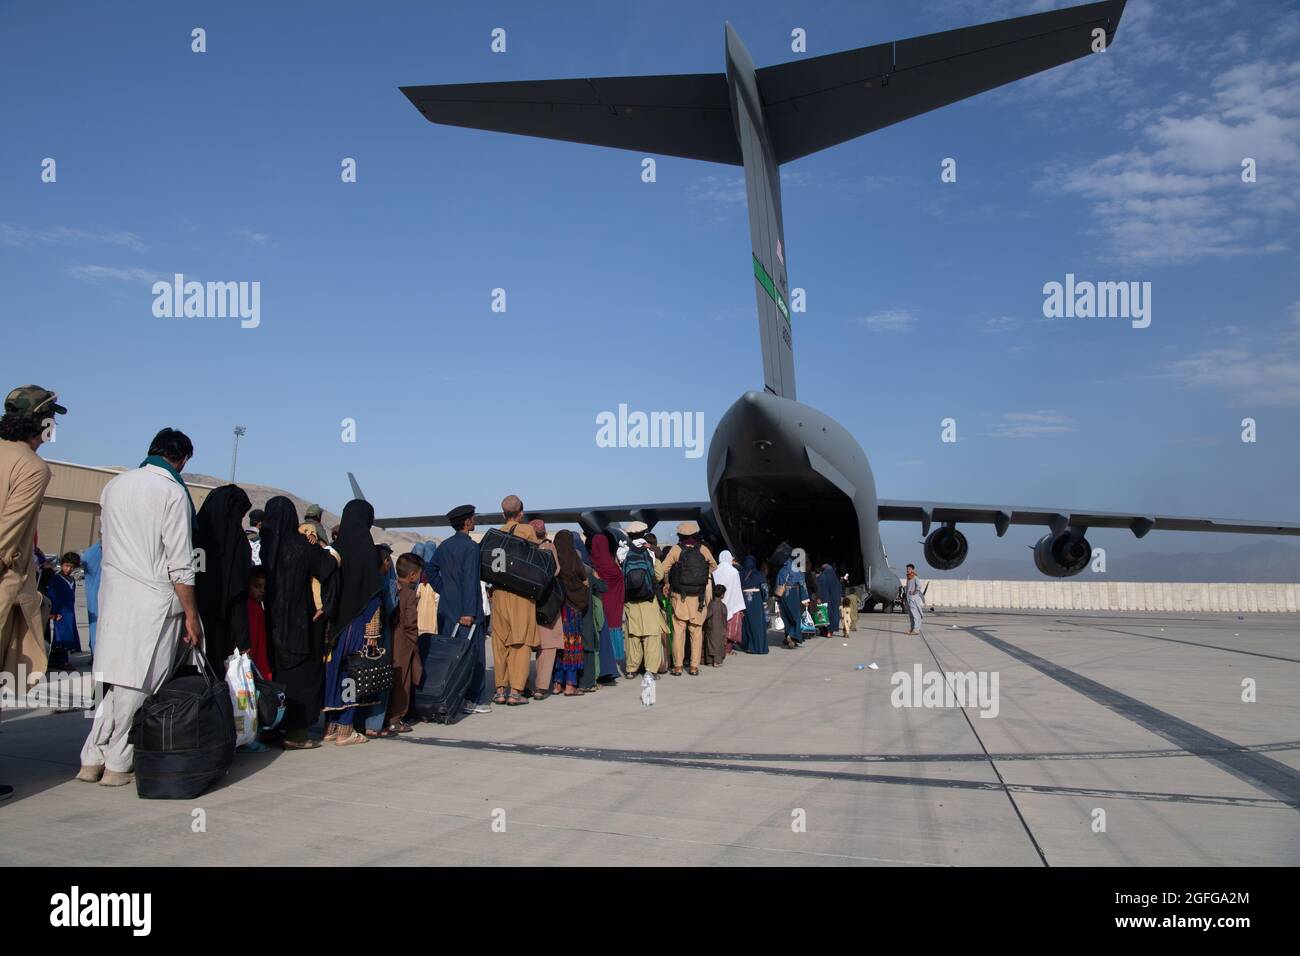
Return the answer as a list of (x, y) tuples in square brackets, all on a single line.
[(243, 697)]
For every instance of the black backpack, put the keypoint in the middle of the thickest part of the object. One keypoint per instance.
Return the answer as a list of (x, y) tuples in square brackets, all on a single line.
[(690, 575), (638, 576)]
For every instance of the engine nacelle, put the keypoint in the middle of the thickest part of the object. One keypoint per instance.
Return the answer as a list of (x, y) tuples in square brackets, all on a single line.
[(1064, 555), (945, 548)]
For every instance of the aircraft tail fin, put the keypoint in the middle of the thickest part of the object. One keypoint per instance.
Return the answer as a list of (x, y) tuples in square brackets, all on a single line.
[(356, 488)]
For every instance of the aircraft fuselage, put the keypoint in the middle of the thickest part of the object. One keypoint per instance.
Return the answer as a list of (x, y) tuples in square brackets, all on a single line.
[(779, 470)]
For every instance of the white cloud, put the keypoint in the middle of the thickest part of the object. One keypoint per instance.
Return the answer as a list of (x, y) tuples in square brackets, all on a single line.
[(12, 235), (728, 190), (1003, 323), (94, 273), (1249, 379), (1040, 424), (891, 320), (254, 238), (1178, 194)]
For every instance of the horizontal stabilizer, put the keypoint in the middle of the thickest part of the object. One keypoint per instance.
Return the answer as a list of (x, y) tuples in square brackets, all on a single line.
[(687, 115), (818, 102)]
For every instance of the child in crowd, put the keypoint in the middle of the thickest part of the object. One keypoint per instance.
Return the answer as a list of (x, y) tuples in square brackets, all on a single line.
[(715, 628), (848, 614), (62, 592), (407, 667), (257, 648)]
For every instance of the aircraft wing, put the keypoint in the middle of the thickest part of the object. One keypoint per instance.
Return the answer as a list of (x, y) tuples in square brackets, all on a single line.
[(1057, 519), (590, 518)]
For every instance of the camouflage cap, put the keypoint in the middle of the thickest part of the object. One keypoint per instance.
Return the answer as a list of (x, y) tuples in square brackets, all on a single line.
[(313, 511), (33, 400)]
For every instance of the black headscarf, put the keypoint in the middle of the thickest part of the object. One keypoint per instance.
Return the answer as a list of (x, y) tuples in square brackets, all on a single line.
[(222, 586), (359, 566), (751, 577), (290, 561), (573, 575)]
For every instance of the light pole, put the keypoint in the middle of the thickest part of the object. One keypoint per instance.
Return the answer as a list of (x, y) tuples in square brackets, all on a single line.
[(234, 456)]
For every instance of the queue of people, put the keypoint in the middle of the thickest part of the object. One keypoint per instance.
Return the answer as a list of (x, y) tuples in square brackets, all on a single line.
[(303, 604)]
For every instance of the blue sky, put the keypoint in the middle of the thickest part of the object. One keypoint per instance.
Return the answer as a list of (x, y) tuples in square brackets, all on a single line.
[(924, 298)]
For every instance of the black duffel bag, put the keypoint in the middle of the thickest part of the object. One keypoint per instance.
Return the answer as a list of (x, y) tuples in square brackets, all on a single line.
[(184, 733), (549, 604), (515, 565)]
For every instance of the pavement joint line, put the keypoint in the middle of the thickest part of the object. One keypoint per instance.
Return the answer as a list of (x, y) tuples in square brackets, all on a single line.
[(1263, 773), (1174, 640), (615, 833), (956, 783), (992, 763)]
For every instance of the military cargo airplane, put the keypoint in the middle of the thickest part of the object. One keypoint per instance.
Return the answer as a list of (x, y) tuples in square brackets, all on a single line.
[(778, 470)]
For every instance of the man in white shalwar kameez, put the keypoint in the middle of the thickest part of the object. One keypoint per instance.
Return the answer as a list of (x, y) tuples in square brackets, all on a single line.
[(147, 606), (914, 600)]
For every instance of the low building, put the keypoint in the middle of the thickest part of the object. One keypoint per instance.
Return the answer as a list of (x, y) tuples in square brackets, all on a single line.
[(69, 518)]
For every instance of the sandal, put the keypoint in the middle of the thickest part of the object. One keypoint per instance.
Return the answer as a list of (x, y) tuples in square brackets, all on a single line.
[(676, 672), (574, 692), (694, 672), (372, 734), (307, 744), (540, 695), (557, 688), (500, 698), (355, 738), (514, 700)]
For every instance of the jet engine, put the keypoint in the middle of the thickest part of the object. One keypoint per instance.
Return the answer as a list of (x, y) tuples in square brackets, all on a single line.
[(1063, 555), (945, 548)]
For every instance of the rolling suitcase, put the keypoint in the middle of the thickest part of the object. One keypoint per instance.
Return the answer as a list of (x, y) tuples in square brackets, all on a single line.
[(448, 670), (515, 565)]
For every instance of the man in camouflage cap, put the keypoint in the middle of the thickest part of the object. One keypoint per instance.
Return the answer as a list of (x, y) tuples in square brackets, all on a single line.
[(28, 421), (312, 516)]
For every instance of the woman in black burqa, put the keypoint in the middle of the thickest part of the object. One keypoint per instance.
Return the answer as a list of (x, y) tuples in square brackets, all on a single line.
[(294, 632), (359, 619), (221, 583)]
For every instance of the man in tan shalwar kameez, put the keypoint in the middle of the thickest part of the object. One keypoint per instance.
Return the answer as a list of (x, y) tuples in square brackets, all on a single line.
[(643, 617), (24, 476), (688, 610), (514, 621)]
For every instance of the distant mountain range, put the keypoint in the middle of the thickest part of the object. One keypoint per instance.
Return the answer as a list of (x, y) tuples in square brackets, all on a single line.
[(1261, 562), (259, 495)]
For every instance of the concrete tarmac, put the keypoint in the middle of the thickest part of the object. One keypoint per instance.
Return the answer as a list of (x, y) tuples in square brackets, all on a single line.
[(1119, 739)]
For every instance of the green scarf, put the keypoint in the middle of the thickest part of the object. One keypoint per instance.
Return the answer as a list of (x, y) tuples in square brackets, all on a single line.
[(176, 475)]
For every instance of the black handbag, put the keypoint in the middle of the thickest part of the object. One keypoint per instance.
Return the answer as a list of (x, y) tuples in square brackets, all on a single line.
[(270, 701), (550, 603), (371, 670)]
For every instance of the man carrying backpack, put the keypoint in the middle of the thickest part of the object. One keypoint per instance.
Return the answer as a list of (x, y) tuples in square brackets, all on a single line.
[(641, 577), (689, 568)]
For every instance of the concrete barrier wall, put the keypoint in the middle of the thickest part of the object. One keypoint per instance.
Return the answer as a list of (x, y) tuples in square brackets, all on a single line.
[(1072, 595)]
